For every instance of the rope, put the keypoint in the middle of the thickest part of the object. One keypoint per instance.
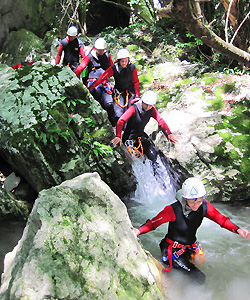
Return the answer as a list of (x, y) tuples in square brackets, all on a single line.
[(135, 150), (117, 99)]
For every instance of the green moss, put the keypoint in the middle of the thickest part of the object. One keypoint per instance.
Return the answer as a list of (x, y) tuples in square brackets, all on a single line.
[(185, 82), (215, 104), (194, 88), (209, 80), (225, 88)]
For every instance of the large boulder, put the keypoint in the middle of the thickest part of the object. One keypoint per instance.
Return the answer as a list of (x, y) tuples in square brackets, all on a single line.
[(21, 46), (79, 244), (53, 130)]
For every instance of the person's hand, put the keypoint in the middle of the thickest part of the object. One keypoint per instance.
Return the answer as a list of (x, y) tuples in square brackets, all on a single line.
[(135, 100), (136, 231), (172, 138), (116, 141), (244, 233)]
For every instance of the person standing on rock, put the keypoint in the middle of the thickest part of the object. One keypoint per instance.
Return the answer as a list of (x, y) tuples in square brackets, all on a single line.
[(97, 62), (135, 119), (185, 216), (72, 47), (126, 89)]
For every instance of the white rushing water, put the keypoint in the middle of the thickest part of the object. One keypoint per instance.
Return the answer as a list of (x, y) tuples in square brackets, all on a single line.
[(227, 255)]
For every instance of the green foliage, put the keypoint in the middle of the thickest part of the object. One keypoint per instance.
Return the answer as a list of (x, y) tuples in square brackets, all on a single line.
[(52, 133), (234, 130), (71, 103), (94, 148)]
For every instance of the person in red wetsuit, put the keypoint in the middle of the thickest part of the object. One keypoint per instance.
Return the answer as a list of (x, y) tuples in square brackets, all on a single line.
[(22, 64), (72, 47), (185, 217), (97, 61), (136, 118), (126, 79)]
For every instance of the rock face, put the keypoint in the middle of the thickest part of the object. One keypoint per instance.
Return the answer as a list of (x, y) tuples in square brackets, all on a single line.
[(53, 130), (210, 116), (34, 16), (79, 244), (21, 46)]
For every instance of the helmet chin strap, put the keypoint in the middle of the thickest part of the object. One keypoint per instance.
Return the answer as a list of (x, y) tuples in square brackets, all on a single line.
[(185, 207)]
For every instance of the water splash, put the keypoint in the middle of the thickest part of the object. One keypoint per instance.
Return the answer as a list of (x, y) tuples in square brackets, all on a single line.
[(152, 187)]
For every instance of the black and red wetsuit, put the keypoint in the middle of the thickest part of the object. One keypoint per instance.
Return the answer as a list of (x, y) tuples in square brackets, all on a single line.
[(136, 119), (182, 230), (22, 64), (126, 85), (72, 50), (96, 65)]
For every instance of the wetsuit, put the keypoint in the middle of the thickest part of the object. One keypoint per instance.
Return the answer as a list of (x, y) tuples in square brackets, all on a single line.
[(97, 64), (126, 85), (72, 50), (182, 232), (22, 64), (137, 119)]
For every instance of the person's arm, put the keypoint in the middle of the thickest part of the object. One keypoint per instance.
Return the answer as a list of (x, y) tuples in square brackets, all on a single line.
[(164, 127), (82, 51), (81, 46), (108, 73), (120, 124), (166, 215), (82, 66), (110, 60), (136, 83), (59, 54), (214, 215)]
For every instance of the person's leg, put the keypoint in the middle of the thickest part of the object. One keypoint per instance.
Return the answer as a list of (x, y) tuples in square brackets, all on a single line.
[(109, 106), (182, 263), (97, 94)]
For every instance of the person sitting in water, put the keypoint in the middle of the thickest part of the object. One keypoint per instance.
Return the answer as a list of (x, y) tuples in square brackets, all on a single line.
[(185, 217), (126, 87), (136, 118)]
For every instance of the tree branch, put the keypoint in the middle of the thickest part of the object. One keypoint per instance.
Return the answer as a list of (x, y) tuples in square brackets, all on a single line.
[(227, 18), (236, 32), (182, 11)]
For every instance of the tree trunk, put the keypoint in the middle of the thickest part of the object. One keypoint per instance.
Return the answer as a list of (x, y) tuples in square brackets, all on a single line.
[(185, 12)]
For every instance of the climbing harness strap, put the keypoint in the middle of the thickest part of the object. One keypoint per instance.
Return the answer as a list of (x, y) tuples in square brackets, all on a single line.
[(117, 97), (171, 255), (134, 151)]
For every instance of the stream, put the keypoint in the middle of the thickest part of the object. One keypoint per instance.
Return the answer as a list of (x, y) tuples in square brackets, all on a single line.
[(226, 255)]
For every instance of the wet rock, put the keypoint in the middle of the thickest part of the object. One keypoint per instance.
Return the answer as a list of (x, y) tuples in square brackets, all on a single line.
[(79, 244)]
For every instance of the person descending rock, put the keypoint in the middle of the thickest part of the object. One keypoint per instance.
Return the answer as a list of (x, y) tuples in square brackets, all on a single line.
[(126, 82), (185, 217), (136, 118), (97, 61), (72, 47)]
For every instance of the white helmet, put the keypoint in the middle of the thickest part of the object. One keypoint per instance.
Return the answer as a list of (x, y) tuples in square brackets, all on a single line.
[(100, 43), (72, 31), (193, 188), (149, 97), (123, 53)]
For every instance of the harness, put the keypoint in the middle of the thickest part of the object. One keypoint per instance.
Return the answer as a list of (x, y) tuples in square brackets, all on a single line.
[(134, 151), (117, 96), (176, 254)]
